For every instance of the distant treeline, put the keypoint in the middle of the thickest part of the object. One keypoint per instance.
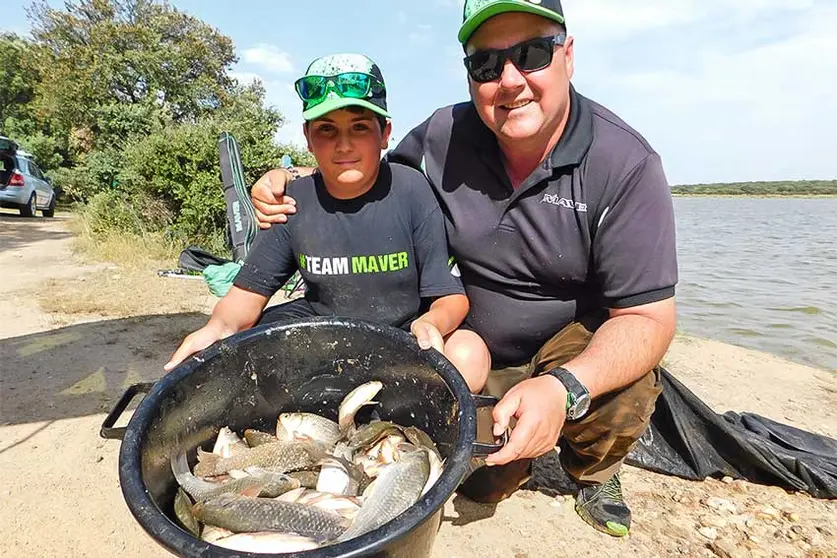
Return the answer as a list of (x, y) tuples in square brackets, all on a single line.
[(784, 188)]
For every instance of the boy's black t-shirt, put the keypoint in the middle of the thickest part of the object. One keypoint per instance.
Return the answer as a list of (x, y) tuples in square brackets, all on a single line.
[(373, 257)]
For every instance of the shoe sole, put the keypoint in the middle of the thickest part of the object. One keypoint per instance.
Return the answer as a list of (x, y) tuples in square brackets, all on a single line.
[(611, 528)]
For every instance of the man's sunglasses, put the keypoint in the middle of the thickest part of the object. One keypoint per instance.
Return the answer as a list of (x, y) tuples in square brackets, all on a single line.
[(356, 85), (529, 56)]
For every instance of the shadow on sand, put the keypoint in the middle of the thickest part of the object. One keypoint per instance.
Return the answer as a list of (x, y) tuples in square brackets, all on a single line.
[(83, 369), (22, 231)]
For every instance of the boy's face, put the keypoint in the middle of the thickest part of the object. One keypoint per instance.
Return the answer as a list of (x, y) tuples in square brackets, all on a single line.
[(347, 144)]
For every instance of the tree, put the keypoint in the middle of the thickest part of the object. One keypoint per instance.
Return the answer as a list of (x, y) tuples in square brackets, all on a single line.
[(18, 78), (99, 52)]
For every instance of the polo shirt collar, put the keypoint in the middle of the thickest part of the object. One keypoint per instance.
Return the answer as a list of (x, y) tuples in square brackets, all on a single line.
[(578, 134)]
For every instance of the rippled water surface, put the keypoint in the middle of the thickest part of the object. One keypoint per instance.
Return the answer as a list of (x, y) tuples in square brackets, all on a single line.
[(760, 273)]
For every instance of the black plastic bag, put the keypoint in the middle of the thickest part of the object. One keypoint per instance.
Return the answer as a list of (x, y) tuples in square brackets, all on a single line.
[(688, 440)]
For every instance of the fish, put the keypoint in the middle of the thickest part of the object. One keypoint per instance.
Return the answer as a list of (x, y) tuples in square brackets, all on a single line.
[(369, 434), (354, 400), (267, 542), (335, 478), (419, 437), (242, 514), (307, 426), (307, 479), (280, 457), (211, 533), (257, 437), (228, 443), (255, 483), (183, 512), (397, 487)]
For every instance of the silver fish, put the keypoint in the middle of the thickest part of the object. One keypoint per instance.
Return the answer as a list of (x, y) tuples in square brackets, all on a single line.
[(307, 426), (279, 457), (335, 478), (397, 487), (255, 483), (354, 400), (267, 542), (228, 443), (242, 514)]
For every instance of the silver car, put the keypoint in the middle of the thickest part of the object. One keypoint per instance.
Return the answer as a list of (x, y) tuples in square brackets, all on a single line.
[(22, 184)]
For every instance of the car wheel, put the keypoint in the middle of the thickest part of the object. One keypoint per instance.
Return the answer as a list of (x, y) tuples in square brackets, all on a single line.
[(28, 210), (50, 210)]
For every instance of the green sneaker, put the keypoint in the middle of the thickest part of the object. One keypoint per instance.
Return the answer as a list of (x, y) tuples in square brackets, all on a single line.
[(602, 507)]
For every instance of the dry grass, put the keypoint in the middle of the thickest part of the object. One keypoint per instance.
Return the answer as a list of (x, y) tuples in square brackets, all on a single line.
[(124, 250), (126, 282)]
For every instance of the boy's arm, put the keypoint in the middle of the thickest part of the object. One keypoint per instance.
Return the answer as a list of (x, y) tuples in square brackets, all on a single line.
[(436, 281), (443, 317), (238, 310), (268, 265)]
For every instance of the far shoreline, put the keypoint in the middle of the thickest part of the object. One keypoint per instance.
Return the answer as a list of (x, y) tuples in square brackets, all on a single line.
[(746, 195)]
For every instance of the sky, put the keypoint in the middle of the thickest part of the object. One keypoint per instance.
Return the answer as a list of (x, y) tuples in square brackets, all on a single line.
[(724, 90)]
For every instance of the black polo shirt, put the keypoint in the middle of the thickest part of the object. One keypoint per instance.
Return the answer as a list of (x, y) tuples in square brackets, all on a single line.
[(592, 228)]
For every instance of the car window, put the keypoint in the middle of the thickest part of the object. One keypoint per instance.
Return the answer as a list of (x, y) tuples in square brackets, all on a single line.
[(35, 171), (23, 165)]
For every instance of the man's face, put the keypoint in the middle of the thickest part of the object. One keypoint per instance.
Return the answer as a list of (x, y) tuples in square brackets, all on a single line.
[(520, 106), (347, 144)]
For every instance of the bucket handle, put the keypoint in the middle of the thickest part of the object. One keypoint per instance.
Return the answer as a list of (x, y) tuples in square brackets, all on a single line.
[(108, 431), (478, 449)]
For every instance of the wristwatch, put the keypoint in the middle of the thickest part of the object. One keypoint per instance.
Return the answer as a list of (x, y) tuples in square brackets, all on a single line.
[(578, 398)]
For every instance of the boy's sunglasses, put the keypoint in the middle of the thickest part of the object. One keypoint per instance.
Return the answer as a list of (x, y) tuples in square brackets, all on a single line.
[(356, 85), (529, 56)]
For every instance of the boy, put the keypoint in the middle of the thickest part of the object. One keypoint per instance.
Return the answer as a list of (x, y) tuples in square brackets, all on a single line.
[(368, 237)]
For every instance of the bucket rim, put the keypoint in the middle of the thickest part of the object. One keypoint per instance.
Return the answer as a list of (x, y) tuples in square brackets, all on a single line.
[(175, 539)]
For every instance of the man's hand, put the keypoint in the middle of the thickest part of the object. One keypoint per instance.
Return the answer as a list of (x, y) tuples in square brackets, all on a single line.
[(269, 199), (539, 405), (194, 342), (427, 335)]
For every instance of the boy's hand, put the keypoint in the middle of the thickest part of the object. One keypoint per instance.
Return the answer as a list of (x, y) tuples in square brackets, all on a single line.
[(269, 199), (427, 335), (194, 342)]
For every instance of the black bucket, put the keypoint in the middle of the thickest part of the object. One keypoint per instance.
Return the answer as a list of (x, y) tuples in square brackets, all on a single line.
[(307, 365)]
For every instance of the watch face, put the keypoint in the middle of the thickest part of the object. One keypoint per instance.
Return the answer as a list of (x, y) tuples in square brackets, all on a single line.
[(581, 407)]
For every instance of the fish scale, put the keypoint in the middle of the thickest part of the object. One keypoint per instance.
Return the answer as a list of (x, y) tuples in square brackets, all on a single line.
[(277, 456), (242, 514), (396, 488)]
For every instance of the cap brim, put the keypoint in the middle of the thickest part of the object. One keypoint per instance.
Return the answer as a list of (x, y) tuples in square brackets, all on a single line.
[(478, 18), (341, 102)]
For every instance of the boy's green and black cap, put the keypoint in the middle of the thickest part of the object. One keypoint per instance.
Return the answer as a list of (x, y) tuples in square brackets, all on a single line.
[(332, 66), (477, 11)]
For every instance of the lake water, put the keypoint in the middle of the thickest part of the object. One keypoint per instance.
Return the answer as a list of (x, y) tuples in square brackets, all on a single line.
[(760, 273)]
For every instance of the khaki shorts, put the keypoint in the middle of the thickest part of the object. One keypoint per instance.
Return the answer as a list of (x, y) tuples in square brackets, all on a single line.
[(597, 443)]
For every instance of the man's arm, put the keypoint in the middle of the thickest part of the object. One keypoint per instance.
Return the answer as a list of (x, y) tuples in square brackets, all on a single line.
[(269, 199), (627, 346)]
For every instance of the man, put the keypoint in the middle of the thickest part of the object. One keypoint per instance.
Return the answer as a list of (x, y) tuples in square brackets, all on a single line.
[(560, 218)]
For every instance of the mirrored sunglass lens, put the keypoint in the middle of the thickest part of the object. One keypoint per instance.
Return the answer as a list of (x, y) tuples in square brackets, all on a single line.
[(312, 87), (354, 84)]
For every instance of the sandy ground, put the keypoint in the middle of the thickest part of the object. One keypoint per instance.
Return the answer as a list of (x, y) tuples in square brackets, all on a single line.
[(62, 372)]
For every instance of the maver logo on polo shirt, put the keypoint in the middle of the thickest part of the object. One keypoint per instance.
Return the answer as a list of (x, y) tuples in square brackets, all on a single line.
[(555, 199)]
